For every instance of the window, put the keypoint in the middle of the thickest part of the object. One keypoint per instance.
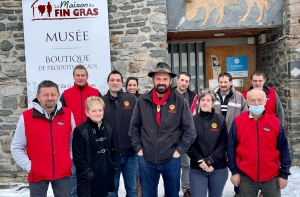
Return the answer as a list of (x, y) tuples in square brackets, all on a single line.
[(188, 57)]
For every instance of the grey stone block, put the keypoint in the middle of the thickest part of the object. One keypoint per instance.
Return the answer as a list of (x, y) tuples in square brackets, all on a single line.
[(20, 46), (6, 45), (132, 31), (9, 127), (14, 26), (156, 2), (6, 11), (161, 9), (127, 7), (140, 18), (148, 45), (159, 53), (2, 17), (140, 24), (145, 11), (4, 133), (113, 52), (134, 12), (112, 8), (135, 1), (146, 29), (10, 103), (12, 18), (116, 27), (2, 27), (18, 35), (125, 20), (131, 25), (12, 119), (127, 39), (112, 22), (156, 38), (18, 11), (116, 32)]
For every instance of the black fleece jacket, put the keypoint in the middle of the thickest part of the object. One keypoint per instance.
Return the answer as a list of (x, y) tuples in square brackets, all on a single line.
[(211, 141)]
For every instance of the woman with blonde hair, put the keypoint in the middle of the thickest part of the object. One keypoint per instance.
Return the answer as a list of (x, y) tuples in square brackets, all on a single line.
[(94, 152)]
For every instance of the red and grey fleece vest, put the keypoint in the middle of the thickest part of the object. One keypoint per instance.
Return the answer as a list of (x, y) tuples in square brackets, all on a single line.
[(48, 145), (256, 152)]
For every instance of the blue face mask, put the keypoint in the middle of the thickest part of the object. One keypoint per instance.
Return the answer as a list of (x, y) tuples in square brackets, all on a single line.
[(257, 110)]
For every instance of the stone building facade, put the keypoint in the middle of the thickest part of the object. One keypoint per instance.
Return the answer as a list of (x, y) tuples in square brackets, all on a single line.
[(138, 37), (279, 58)]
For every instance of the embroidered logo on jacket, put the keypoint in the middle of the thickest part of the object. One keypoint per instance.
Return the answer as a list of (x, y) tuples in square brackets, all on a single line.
[(172, 109), (126, 105), (60, 123), (214, 127), (267, 129)]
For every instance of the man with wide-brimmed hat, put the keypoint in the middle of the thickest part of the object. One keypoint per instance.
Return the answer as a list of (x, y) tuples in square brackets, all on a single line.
[(161, 130)]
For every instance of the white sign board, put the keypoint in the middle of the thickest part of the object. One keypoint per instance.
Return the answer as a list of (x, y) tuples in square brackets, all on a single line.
[(62, 34)]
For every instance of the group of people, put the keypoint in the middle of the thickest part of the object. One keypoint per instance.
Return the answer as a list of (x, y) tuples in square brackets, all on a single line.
[(82, 141)]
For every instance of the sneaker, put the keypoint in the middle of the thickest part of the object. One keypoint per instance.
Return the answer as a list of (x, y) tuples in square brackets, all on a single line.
[(187, 193)]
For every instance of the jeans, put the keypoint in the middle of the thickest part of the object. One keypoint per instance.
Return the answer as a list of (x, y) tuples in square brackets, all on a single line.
[(236, 190), (61, 188), (150, 174), (185, 163), (250, 188), (128, 166), (73, 182), (212, 182)]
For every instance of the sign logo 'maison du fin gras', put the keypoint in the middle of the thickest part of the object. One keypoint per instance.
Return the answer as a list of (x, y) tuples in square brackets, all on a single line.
[(65, 10)]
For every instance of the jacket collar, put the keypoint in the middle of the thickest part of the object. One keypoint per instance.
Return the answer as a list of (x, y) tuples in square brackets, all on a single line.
[(40, 112), (265, 89), (81, 87)]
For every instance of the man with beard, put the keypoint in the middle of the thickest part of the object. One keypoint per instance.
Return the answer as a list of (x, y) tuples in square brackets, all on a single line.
[(119, 106), (161, 130), (42, 141), (74, 98), (183, 81)]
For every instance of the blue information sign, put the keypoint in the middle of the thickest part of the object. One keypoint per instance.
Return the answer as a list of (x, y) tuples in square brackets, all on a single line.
[(237, 66)]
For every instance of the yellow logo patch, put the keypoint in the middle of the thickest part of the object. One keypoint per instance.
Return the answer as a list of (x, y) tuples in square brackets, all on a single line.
[(126, 103), (172, 107), (214, 125)]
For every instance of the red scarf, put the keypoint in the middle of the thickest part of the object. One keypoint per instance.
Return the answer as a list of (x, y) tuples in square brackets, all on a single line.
[(160, 102)]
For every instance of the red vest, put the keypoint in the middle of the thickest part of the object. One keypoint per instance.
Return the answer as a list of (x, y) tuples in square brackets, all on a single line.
[(48, 145), (75, 98), (271, 101), (256, 152)]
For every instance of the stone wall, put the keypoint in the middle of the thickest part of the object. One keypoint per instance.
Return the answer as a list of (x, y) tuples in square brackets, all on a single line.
[(13, 97), (279, 59), (138, 30)]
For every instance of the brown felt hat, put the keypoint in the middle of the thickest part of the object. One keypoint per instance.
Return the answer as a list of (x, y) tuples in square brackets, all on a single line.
[(162, 68)]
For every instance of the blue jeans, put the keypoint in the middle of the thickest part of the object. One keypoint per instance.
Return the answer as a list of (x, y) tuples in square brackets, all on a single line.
[(73, 182), (213, 182), (128, 166), (150, 173)]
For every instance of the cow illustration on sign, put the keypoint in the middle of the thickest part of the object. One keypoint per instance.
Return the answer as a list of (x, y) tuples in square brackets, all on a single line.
[(193, 6)]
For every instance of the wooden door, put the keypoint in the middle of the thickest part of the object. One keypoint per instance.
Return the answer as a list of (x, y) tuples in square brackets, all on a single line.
[(221, 52)]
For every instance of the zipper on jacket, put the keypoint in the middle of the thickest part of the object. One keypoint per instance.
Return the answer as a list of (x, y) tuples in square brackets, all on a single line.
[(205, 135), (81, 113), (258, 153), (52, 148)]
